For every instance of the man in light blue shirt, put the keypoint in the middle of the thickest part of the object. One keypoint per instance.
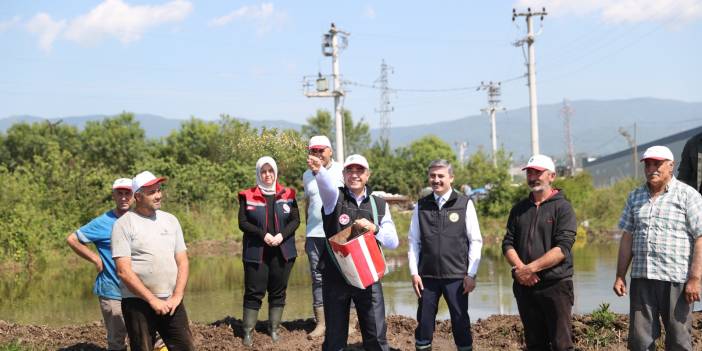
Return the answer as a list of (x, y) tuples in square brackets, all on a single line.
[(99, 232), (315, 243)]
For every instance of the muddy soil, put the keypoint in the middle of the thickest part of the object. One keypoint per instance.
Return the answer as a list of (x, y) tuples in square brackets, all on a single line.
[(493, 333)]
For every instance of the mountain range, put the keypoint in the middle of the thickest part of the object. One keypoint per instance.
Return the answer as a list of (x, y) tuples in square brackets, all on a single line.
[(595, 126)]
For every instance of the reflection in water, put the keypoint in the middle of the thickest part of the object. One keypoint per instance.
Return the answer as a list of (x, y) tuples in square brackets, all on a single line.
[(56, 295)]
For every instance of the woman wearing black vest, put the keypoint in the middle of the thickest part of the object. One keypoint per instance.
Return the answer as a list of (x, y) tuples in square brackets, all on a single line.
[(268, 216)]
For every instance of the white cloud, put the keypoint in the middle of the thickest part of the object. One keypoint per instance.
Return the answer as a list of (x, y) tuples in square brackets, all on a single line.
[(265, 16), (9, 24), (115, 18), (369, 12), (623, 11), (46, 28)]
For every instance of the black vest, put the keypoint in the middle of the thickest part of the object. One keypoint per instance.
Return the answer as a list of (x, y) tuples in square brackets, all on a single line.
[(444, 250), (345, 212)]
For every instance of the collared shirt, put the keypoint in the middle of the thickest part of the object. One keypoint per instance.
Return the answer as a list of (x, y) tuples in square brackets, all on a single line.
[(329, 192), (472, 232), (315, 228), (664, 230)]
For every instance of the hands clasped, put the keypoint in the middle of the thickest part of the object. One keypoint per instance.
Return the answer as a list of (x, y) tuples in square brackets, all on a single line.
[(273, 240)]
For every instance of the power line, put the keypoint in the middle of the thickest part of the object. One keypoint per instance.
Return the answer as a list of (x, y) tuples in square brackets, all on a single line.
[(419, 90)]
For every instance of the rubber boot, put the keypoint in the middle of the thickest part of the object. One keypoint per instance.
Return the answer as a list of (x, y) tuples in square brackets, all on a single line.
[(275, 314), (320, 328), (248, 324)]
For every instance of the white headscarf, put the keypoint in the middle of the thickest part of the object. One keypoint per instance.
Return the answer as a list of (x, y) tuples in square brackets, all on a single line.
[(265, 189)]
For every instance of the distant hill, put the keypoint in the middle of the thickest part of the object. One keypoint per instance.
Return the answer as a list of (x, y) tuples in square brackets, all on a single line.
[(594, 126)]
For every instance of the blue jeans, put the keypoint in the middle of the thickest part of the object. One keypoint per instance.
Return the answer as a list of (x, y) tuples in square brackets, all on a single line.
[(314, 248)]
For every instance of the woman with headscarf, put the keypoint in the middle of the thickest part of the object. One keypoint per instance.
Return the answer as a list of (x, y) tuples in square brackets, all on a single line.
[(268, 216)]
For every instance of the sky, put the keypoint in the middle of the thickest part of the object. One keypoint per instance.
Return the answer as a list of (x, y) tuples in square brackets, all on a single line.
[(182, 59)]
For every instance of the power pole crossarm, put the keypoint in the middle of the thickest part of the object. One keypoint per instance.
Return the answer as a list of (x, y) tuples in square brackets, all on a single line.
[(532, 73)]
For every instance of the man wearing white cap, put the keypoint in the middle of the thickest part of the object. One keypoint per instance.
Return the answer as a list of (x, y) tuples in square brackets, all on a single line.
[(316, 241), (661, 238), (352, 205), (151, 258), (99, 232), (540, 235)]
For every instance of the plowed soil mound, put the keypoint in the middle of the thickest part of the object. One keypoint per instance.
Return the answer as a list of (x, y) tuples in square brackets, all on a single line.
[(493, 333)]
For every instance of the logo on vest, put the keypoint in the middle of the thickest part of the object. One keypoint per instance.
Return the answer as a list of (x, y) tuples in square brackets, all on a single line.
[(344, 219), (286, 208), (453, 217)]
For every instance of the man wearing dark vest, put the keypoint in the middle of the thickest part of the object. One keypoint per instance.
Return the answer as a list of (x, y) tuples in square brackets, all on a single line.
[(343, 207), (444, 254)]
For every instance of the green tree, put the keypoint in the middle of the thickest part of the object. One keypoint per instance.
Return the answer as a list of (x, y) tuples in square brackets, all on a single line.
[(356, 135), (195, 139), (115, 143), (417, 157), (25, 141)]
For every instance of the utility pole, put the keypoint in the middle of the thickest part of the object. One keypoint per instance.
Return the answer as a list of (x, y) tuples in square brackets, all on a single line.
[(462, 146), (494, 92), (634, 148), (566, 112), (332, 44), (385, 108), (529, 40)]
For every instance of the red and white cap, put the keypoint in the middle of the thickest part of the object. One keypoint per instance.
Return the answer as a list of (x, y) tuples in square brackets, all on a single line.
[(145, 178), (319, 142), (122, 183), (356, 159), (657, 152), (540, 163)]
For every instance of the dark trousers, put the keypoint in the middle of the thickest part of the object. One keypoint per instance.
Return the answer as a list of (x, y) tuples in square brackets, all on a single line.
[(545, 311), (452, 290), (370, 308), (142, 323), (270, 275)]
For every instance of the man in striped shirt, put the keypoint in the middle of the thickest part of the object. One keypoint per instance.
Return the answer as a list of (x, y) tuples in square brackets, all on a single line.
[(661, 235)]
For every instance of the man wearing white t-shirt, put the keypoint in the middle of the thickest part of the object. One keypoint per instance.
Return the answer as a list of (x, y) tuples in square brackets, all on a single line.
[(315, 242), (152, 263)]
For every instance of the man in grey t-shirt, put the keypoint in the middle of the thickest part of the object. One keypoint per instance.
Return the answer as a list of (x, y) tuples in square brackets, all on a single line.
[(152, 263)]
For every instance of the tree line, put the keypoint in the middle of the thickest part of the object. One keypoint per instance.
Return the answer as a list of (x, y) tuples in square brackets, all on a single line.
[(57, 177)]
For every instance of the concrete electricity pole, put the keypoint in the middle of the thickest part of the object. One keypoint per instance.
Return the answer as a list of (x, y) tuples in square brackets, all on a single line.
[(566, 112), (332, 43), (529, 40), (385, 108), (493, 90), (462, 147)]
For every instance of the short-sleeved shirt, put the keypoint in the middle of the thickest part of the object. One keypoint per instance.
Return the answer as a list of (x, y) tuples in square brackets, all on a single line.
[(152, 243), (315, 229), (664, 230), (99, 232)]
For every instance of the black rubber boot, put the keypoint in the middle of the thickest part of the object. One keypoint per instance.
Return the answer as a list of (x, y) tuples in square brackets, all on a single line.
[(275, 314), (248, 324)]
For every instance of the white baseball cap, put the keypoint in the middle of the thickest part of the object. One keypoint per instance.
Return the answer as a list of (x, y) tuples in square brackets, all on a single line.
[(145, 178), (319, 142), (356, 159), (122, 183), (657, 152), (540, 163)]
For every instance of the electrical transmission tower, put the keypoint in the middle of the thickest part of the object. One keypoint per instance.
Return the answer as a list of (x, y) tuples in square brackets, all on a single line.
[(494, 92), (384, 108), (462, 146), (531, 67), (566, 112)]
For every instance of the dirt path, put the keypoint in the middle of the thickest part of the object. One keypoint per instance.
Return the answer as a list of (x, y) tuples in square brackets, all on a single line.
[(494, 333)]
